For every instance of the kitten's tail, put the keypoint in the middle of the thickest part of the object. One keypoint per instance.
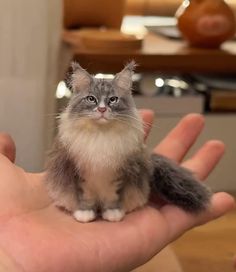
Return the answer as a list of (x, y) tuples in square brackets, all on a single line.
[(178, 186)]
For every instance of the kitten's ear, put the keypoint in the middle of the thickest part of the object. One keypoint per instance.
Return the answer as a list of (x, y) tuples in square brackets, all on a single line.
[(77, 79), (124, 79)]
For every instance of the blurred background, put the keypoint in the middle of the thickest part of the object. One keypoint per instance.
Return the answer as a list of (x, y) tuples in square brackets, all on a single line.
[(176, 74)]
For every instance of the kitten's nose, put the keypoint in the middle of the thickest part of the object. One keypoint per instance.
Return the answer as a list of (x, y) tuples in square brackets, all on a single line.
[(102, 109)]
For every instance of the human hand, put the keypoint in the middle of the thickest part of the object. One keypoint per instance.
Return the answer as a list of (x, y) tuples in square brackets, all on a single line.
[(37, 236)]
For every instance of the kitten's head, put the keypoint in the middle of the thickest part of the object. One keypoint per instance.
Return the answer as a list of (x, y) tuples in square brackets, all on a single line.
[(101, 100)]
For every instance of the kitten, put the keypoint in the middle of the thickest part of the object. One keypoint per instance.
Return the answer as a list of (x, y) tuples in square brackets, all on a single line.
[(99, 162)]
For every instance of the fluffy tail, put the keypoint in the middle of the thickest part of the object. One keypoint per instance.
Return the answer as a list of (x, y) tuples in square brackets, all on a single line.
[(178, 186)]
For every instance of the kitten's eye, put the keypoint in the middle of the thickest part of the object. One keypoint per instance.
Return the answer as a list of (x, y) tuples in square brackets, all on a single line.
[(91, 99), (113, 100)]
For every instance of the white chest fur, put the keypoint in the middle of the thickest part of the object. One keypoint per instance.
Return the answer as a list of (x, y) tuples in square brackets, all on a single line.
[(98, 146), (99, 150)]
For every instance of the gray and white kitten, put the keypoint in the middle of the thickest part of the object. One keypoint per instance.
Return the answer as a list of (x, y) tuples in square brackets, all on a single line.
[(99, 163)]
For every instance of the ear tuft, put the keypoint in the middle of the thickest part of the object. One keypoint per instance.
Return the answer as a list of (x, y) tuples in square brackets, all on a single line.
[(124, 79), (131, 66), (77, 79)]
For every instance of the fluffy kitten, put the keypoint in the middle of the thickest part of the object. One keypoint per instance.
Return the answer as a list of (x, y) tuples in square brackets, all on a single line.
[(99, 162)]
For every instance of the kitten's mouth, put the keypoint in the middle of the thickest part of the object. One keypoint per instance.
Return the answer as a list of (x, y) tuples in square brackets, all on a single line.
[(102, 119)]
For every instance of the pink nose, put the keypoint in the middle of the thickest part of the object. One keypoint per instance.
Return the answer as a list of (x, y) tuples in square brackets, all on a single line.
[(102, 109)]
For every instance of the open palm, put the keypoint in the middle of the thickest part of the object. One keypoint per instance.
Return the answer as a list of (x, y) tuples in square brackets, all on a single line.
[(36, 236)]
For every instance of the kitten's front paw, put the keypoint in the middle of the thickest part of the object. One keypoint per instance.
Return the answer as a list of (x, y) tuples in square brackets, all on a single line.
[(113, 215), (84, 216)]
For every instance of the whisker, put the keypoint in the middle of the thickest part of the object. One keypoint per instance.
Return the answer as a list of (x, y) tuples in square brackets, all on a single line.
[(81, 115), (129, 116), (145, 124), (120, 117), (56, 115), (130, 124)]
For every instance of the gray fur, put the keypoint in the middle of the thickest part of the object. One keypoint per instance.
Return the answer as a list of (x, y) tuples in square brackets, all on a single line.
[(135, 175), (177, 185), (101, 88), (61, 167), (129, 186), (136, 169), (123, 80), (63, 178)]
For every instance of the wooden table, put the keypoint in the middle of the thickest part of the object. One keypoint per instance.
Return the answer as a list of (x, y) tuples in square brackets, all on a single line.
[(161, 54)]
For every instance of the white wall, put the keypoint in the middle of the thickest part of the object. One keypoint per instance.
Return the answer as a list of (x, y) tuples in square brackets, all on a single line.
[(30, 40)]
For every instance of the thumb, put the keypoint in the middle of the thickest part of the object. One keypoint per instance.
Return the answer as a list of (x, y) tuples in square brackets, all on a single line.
[(7, 146)]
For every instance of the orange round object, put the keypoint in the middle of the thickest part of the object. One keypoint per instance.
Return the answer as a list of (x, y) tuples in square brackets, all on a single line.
[(206, 23)]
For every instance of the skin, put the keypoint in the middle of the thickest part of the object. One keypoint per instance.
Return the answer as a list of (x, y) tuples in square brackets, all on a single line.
[(36, 236)]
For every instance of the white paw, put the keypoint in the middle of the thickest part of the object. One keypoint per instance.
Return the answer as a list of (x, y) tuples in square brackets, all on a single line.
[(113, 215), (84, 216)]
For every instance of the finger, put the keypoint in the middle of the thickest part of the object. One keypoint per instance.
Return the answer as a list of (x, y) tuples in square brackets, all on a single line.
[(143, 233), (206, 159), (177, 143), (148, 230), (7, 146), (147, 116), (180, 221)]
